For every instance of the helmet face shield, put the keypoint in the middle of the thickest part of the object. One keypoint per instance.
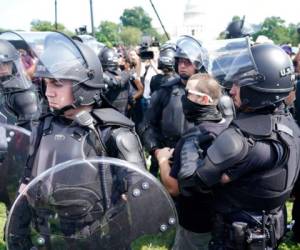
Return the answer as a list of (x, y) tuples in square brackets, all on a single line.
[(5, 69), (58, 55), (231, 62), (189, 48), (13, 77), (167, 56), (12, 72), (61, 58)]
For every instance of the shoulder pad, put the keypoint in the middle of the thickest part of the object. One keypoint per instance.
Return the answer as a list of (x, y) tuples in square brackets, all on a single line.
[(257, 125), (171, 82), (109, 116), (229, 147), (129, 146)]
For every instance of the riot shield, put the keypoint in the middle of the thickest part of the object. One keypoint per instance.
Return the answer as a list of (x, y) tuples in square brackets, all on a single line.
[(14, 149), (99, 203)]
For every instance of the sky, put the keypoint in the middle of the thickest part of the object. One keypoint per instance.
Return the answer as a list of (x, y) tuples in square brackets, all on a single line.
[(17, 14)]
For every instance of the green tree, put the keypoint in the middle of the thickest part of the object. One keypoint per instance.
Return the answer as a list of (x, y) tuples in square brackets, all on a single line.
[(39, 25), (161, 38), (130, 36), (108, 33), (136, 17), (293, 34), (275, 29)]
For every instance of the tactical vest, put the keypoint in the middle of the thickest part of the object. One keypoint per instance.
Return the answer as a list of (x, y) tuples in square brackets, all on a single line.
[(60, 143), (174, 124), (267, 189), (158, 80), (118, 97)]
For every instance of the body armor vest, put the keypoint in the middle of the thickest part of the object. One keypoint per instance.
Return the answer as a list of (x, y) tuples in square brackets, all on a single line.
[(60, 143), (118, 96), (158, 80), (174, 124), (267, 189)]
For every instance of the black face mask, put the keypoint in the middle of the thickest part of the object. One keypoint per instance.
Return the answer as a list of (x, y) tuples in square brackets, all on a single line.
[(195, 112), (122, 67), (184, 77)]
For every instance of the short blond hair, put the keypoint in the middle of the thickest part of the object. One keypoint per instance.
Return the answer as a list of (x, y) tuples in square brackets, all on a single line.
[(205, 83)]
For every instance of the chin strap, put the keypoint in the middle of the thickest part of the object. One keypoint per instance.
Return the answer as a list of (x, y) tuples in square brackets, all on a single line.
[(61, 111)]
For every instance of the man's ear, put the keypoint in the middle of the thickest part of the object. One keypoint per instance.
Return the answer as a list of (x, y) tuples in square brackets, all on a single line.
[(205, 100)]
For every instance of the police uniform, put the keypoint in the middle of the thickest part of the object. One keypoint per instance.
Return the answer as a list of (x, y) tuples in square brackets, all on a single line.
[(259, 152)]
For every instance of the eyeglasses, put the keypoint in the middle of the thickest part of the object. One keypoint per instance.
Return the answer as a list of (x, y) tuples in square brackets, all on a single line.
[(184, 61), (197, 93)]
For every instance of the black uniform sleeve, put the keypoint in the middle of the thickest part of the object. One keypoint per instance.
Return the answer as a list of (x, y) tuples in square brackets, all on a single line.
[(151, 135), (176, 159), (124, 78)]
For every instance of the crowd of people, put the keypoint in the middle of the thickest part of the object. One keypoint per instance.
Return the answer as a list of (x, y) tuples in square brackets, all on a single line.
[(218, 127)]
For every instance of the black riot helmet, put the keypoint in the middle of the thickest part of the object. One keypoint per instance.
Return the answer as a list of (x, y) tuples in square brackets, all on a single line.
[(265, 76), (12, 72), (65, 59), (109, 59), (20, 99), (166, 58), (235, 29), (238, 29), (190, 48), (91, 42)]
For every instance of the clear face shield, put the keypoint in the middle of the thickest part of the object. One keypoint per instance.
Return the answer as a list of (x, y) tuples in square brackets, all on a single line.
[(231, 62), (95, 46), (189, 48), (13, 76), (58, 56), (5, 69)]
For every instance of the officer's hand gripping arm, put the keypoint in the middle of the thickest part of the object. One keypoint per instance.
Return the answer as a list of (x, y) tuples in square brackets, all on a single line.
[(227, 150)]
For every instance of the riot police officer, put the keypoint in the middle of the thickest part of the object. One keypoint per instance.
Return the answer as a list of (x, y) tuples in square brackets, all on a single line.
[(79, 125), (165, 122), (20, 97), (166, 63), (296, 191), (117, 80), (236, 29), (20, 105), (252, 165)]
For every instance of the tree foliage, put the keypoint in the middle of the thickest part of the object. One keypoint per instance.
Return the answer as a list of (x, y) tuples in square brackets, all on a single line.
[(130, 36), (39, 25), (276, 29), (136, 17), (108, 33)]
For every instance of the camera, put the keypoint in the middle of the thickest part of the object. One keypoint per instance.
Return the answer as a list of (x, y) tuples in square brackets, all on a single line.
[(144, 52)]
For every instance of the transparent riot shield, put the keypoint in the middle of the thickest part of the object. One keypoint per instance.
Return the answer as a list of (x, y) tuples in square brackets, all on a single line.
[(14, 149), (100, 203)]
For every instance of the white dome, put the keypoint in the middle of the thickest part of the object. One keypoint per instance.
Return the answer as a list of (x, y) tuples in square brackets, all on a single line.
[(193, 7), (193, 14), (193, 18)]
